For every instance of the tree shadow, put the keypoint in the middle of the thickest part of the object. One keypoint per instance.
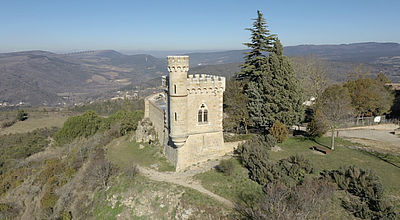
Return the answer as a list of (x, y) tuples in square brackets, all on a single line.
[(317, 142)]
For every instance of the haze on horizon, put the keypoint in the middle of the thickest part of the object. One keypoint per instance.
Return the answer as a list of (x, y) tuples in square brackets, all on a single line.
[(62, 26)]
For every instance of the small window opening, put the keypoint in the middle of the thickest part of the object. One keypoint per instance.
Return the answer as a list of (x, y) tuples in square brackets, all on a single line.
[(174, 89), (176, 117), (200, 116)]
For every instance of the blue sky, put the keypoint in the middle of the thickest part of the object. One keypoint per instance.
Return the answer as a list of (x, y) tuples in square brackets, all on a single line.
[(71, 25)]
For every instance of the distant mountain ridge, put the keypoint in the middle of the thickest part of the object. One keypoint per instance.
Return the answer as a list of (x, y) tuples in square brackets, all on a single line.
[(42, 77), (354, 52)]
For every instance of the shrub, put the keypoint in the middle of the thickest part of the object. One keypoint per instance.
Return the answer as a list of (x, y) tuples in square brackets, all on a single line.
[(84, 125), (21, 115), (8, 123), (254, 156), (308, 201), (66, 215), (48, 200), (8, 211), (102, 168), (290, 171), (22, 145), (318, 125), (227, 167), (367, 192), (279, 131), (132, 171), (126, 121)]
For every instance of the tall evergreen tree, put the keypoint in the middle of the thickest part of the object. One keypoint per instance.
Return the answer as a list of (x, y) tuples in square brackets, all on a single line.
[(261, 44), (276, 94)]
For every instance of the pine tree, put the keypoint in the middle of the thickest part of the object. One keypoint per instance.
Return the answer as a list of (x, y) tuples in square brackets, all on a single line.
[(270, 83), (275, 95), (261, 44)]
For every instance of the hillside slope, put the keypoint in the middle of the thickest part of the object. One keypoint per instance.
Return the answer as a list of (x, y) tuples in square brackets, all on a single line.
[(44, 78)]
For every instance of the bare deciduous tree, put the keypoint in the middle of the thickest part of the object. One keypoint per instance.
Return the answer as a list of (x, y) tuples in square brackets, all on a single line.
[(312, 73), (103, 171), (335, 104)]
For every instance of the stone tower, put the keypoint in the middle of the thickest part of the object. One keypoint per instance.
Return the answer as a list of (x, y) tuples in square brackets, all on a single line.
[(178, 66), (189, 114)]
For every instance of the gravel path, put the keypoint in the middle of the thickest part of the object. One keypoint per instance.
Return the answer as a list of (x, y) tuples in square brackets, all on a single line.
[(379, 137), (186, 179)]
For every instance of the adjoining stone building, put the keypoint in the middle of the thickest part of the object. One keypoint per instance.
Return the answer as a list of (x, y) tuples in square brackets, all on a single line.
[(187, 116)]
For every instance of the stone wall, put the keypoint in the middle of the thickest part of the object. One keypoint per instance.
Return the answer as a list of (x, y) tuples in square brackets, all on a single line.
[(157, 117), (214, 104)]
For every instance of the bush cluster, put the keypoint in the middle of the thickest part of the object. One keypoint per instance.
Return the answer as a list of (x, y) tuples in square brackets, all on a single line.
[(125, 121), (8, 123), (311, 200), (84, 125), (254, 155), (22, 145), (8, 211), (367, 199), (90, 122), (12, 178)]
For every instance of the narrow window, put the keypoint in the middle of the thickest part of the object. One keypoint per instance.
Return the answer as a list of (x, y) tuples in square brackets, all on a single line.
[(174, 89), (205, 116), (200, 116), (176, 117)]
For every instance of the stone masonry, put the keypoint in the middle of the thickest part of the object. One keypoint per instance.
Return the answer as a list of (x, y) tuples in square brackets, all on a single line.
[(188, 116)]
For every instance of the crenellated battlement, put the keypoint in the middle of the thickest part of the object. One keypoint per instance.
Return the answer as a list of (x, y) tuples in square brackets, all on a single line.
[(178, 63), (205, 83)]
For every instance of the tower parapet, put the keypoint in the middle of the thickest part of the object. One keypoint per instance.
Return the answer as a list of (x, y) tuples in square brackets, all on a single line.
[(178, 63), (205, 83)]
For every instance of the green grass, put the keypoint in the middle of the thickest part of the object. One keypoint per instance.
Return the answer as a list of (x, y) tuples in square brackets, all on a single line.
[(150, 194), (341, 156), (229, 187), (123, 153)]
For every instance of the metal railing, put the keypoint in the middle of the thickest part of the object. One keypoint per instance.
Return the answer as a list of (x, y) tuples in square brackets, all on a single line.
[(367, 121)]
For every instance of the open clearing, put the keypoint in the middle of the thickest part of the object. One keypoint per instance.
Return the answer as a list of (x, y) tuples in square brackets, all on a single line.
[(341, 156), (37, 120)]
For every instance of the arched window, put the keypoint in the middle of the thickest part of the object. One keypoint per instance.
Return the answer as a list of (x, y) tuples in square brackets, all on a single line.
[(202, 115)]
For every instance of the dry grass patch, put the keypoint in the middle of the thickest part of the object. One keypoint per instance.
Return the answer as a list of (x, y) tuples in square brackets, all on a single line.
[(35, 121)]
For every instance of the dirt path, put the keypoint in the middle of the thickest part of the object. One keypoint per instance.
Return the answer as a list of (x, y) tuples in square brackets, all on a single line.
[(378, 137), (186, 179)]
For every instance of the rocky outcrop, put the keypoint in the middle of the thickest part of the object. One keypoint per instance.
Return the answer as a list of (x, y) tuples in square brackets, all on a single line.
[(145, 131)]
